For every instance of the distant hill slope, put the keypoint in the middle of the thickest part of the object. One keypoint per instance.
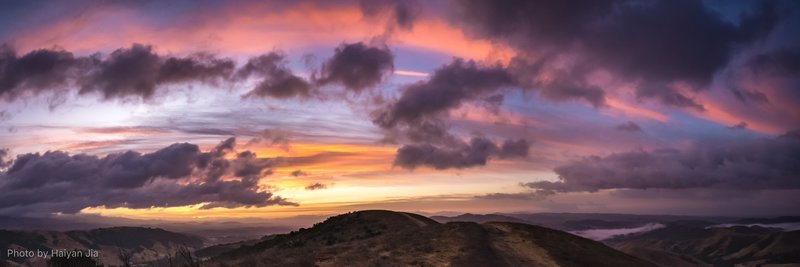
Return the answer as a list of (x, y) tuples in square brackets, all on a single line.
[(143, 244), (578, 221), (776, 220), (585, 221), (386, 238), (696, 244), (477, 218)]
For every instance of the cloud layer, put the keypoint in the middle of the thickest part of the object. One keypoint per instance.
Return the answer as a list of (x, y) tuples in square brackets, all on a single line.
[(177, 175), (357, 66), (138, 72), (447, 88), (33, 72), (475, 153), (763, 164), (637, 42), (275, 79)]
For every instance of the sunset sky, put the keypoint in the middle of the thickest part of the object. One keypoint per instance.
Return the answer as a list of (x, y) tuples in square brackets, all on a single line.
[(219, 109)]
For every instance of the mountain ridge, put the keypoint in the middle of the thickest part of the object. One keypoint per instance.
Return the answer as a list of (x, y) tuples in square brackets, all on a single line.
[(387, 238)]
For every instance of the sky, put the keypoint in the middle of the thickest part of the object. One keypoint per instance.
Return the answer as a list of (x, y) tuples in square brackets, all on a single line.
[(184, 110)]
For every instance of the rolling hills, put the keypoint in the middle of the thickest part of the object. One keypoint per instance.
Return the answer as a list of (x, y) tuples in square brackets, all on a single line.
[(700, 244), (386, 238), (140, 243)]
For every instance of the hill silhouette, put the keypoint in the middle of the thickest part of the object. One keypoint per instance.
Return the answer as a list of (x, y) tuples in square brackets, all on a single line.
[(386, 238)]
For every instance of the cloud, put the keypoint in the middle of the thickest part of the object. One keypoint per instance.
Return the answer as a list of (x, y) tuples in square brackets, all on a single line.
[(512, 196), (555, 82), (745, 95), (298, 173), (3, 162), (419, 117), (420, 113), (273, 137), (762, 164), (36, 71), (177, 175), (127, 72), (638, 42), (629, 127), (275, 78), (738, 126), (514, 149), (475, 153), (316, 186), (356, 66), (431, 131), (399, 14), (784, 61), (447, 88), (138, 71), (773, 71)]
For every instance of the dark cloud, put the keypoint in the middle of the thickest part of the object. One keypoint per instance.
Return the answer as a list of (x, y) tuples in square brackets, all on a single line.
[(275, 78), (556, 83), (431, 131), (638, 41), (36, 71), (138, 72), (493, 102), (629, 127), (475, 153), (784, 61), (316, 186), (3, 161), (419, 117), (447, 88), (739, 126), (356, 66), (200, 67), (763, 164), (420, 113), (298, 173), (401, 13), (514, 149), (774, 71), (413, 156), (177, 175), (745, 95), (513, 196)]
